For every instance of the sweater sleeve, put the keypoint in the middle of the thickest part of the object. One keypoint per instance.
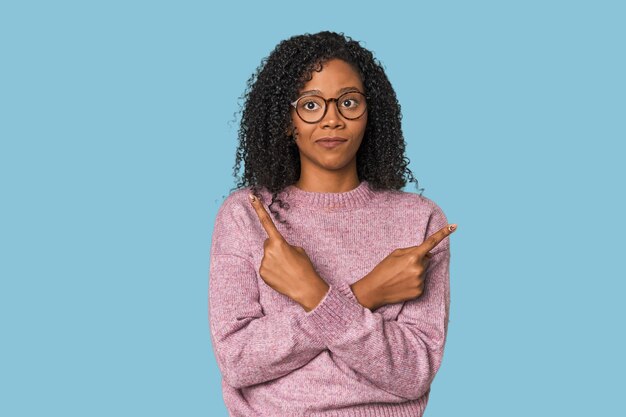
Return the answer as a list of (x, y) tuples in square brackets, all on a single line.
[(398, 356), (250, 347)]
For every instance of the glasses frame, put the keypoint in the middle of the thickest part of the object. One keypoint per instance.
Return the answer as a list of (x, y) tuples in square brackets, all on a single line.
[(326, 101)]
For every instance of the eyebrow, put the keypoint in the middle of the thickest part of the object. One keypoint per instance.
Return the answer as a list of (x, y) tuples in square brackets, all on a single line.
[(318, 92)]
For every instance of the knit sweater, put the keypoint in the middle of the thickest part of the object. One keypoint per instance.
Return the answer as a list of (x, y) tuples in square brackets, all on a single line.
[(340, 358)]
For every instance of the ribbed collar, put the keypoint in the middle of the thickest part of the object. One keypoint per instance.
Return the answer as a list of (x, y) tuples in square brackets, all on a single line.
[(357, 197)]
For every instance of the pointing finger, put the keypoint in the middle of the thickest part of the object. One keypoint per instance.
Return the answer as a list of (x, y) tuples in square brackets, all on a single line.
[(265, 219), (434, 239)]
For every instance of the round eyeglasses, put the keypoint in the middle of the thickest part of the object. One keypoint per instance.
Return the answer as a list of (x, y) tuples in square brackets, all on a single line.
[(312, 109)]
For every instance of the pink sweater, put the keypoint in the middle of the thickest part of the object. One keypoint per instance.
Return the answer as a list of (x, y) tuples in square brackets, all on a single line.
[(339, 359)]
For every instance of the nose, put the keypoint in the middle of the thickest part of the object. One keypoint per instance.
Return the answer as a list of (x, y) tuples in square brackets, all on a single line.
[(332, 119)]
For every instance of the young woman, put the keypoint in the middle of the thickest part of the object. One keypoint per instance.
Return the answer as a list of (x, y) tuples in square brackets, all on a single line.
[(335, 302)]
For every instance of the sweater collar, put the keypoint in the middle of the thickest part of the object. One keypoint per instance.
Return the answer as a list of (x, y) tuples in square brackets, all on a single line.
[(357, 197)]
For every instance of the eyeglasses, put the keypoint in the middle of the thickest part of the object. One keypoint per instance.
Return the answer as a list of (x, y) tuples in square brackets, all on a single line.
[(312, 109)]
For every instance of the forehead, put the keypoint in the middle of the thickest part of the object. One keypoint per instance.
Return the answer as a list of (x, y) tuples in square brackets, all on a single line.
[(334, 76)]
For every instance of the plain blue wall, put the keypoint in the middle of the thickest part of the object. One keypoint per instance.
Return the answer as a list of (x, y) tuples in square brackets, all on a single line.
[(118, 133)]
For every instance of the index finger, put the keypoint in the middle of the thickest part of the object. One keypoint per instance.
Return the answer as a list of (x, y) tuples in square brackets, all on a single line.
[(436, 238), (266, 221)]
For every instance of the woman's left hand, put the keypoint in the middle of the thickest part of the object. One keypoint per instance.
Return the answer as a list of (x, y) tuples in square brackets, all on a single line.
[(288, 269)]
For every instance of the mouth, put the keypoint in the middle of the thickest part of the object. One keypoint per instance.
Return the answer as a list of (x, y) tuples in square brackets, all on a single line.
[(331, 142)]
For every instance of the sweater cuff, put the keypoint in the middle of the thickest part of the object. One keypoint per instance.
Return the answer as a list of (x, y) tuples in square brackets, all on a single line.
[(334, 313)]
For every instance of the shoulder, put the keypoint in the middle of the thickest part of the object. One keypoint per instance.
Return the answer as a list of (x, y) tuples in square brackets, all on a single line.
[(235, 210), (435, 219), (232, 221), (415, 205), (235, 199), (417, 212)]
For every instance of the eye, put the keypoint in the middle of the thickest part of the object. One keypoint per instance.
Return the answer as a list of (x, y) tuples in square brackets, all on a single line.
[(311, 104), (349, 102)]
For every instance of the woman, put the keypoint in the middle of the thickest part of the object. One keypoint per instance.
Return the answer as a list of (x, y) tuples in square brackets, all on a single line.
[(336, 303)]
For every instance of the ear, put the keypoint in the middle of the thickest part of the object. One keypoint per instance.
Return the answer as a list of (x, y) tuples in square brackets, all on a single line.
[(291, 131)]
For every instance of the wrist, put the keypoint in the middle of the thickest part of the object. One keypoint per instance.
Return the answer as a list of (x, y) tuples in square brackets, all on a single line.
[(314, 295), (364, 294)]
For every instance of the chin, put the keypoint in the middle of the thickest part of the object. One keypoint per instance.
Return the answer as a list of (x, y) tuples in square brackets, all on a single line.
[(335, 166)]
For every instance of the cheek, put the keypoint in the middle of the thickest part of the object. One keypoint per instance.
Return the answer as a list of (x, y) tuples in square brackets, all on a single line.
[(303, 130), (360, 128)]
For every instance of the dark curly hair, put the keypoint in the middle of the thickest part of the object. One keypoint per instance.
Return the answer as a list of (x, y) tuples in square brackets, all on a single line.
[(270, 154)]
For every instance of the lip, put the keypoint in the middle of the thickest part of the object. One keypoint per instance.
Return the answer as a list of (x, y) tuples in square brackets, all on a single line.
[(332, 139), (330, 142)]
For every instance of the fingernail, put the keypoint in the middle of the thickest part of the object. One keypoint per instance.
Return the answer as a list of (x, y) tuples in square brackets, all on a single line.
[(252, 197), (452, 227)]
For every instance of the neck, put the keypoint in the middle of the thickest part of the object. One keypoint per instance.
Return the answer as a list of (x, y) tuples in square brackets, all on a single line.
[(327, 182), (357, 197)]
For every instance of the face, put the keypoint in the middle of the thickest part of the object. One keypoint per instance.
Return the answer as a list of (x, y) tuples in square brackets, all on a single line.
[(335, 77)]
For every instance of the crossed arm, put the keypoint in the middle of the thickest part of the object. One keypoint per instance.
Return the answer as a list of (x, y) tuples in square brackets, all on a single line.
[(252, 347), (399, 356)]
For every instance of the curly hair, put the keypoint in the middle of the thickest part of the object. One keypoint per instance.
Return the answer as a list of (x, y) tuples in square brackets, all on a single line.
[(270, 154)]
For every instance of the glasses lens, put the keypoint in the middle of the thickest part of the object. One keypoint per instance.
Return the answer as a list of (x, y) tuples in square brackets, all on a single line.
[(311, 108), (351, 105)]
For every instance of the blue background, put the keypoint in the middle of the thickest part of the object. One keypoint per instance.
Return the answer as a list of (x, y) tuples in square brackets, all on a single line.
[(118, 131)]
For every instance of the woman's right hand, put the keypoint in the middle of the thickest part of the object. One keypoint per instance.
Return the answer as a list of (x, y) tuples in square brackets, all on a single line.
[(400, 276)]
